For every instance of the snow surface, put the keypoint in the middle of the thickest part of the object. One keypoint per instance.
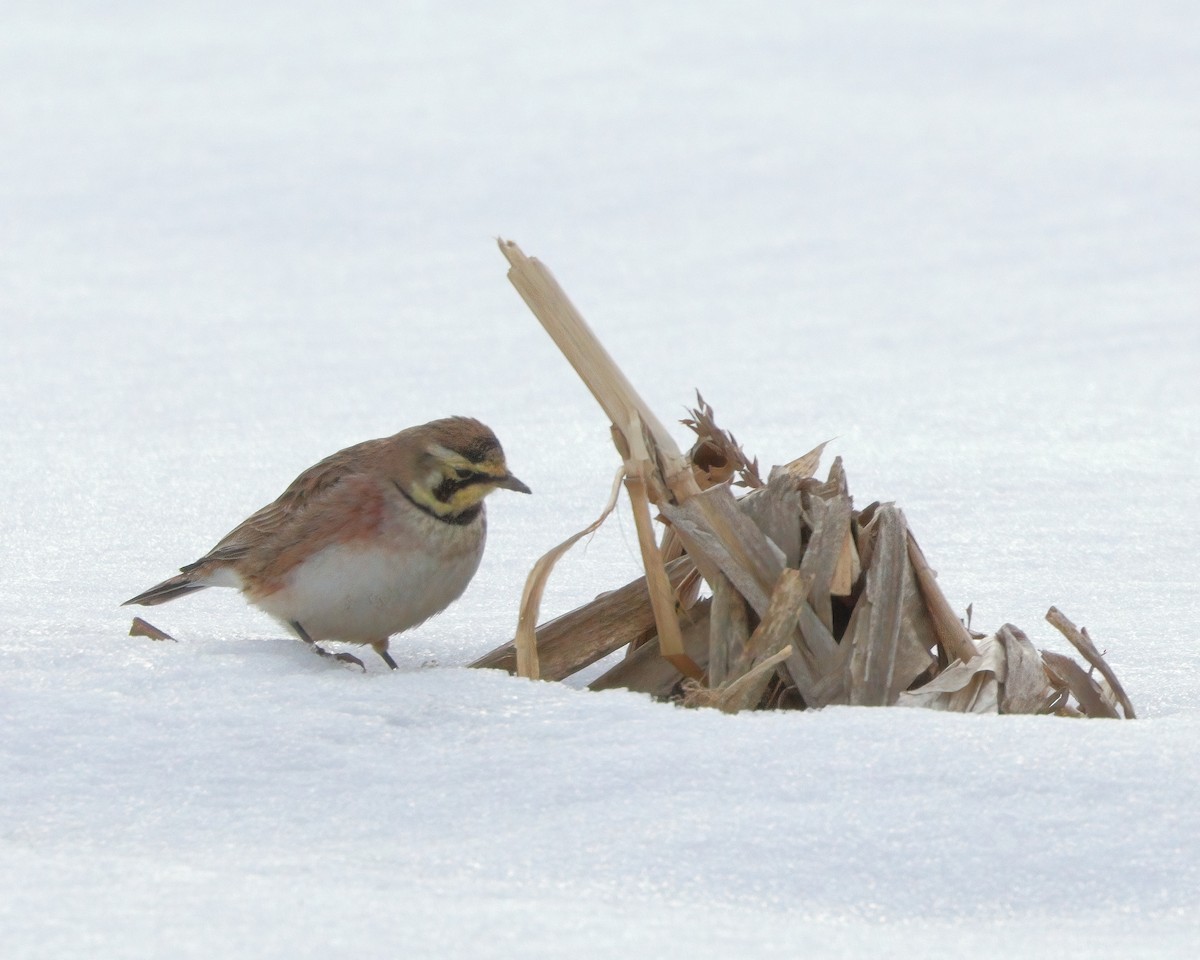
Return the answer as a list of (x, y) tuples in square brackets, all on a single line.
[(962, 239)]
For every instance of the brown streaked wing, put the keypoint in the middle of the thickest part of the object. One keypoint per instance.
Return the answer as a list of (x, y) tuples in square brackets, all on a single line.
[(285, 509)]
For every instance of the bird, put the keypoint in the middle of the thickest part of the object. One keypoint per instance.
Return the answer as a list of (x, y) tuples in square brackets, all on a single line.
[(369, 542)]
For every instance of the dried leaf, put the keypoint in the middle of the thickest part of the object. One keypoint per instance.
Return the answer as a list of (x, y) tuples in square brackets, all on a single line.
[(848, 569), (803, 467), (1083, 643), (972, 687), (1085, 690), (779, 622), (889, 634), (829, 521), (143, 628), (535, 586), (741, 694), (951, 633), (728, 631), (716, 454), (1025, 687), (776, 511), (718, 535)]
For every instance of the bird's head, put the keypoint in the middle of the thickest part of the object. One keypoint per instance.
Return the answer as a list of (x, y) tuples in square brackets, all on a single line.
[(459, 461)]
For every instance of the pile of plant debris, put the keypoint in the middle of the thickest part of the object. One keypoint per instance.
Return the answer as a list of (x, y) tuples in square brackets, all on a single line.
[(784, 597)]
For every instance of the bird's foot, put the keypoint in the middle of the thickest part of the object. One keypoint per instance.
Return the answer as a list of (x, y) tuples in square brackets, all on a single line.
[(322, 652), (344, 657)]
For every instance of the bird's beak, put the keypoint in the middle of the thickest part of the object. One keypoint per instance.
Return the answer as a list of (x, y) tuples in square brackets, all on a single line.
[(511, 483)]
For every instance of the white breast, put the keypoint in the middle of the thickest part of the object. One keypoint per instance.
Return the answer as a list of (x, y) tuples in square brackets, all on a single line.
[(366, 591)]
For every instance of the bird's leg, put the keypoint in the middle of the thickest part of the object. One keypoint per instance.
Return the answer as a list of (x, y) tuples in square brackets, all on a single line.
[(381, 648), (321, 651)]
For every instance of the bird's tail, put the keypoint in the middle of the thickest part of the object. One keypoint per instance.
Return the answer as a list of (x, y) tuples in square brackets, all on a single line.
[(169, 589)]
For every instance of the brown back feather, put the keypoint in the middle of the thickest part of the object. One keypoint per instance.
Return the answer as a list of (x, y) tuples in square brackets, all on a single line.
[(289, 506)]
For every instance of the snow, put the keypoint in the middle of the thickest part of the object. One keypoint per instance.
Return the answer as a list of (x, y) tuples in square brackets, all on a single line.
[(959, 239)]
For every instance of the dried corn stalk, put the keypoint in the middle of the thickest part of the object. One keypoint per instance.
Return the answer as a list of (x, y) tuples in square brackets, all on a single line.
[(654, 467), (813, 602)]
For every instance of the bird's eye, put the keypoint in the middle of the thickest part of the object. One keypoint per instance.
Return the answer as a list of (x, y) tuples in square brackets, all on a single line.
[(462, 474)]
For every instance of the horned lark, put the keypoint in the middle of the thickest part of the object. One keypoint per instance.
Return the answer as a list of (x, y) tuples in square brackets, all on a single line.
[(369, 542)]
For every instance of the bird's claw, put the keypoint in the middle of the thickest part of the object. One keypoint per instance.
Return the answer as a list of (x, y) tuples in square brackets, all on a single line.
[(344, 657), (350, 658), (321, 651)]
